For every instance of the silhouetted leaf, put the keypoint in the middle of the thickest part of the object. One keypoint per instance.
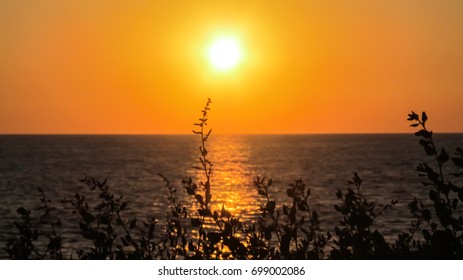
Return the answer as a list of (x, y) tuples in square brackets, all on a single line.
[(124, 241), (424, 117), (151, 231), (290, 192), (208, 196), (458, 161), (426, 214), (87, 217), (214, 237), (54, 244), (454, 203), (292, 215), (433, 195), (123, 206), (224, 213), (228, 230), (424, 133), (190, 190), (22, 211), (133, 224), (315, 215), (443, 157), (424, 142), (204, 212), (270, 207), (196, 222), (357, 179), (102, 237), (232, 243), (285, 210), (104, 220), (429, 150), (199, 198), (412, 116), (191, 247), (301, 205), (460, 194), (83, 227)]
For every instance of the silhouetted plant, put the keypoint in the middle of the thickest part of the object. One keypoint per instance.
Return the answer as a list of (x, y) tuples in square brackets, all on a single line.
[(204, 243), (111, 235), (22, 246), (356, 239), (289, 223), (176, 233), (27, 244), (440, 224), (54, 243)]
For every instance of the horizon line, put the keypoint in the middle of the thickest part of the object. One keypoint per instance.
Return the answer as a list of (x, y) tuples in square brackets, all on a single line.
[(218, 134)]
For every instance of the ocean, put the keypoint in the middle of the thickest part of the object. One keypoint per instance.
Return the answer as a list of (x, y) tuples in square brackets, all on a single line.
[(131, 163)]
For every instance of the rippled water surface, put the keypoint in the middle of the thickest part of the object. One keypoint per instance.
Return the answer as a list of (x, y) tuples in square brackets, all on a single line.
[(131, 163)]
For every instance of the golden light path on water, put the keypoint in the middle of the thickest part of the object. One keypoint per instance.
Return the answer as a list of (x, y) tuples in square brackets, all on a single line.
[(231, 183)]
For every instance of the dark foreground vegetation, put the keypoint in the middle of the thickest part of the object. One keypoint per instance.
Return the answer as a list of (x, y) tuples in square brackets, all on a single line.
[(281, 232)]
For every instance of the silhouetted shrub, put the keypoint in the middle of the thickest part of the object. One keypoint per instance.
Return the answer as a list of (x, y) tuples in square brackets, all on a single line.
[(111, 235), (296, 227), (441, 225), (356, 240), (24, 245)]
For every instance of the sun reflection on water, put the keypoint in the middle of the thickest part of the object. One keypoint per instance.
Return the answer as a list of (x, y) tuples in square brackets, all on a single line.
[(231, 184)]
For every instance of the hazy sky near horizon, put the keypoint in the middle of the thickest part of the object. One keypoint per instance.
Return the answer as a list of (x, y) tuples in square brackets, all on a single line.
[(306, 66)]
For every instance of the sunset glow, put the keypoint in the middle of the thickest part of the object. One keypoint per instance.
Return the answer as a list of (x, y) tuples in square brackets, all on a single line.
[(270, 66)]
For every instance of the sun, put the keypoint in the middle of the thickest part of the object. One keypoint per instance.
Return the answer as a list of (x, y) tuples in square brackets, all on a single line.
[(224, 53)]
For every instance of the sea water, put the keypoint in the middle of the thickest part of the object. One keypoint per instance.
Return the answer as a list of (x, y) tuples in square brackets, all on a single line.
[(131, 163)]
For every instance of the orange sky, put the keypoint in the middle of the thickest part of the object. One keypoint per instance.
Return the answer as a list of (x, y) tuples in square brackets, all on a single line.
[(308, 66)]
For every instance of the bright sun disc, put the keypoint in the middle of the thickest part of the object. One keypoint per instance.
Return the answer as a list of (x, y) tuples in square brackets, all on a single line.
[(224, 53)]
